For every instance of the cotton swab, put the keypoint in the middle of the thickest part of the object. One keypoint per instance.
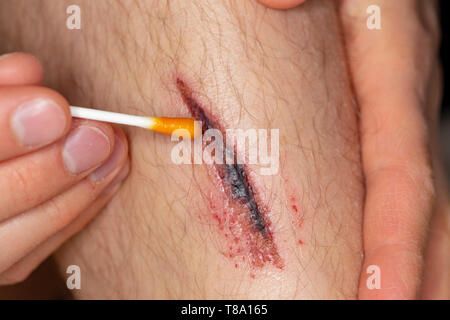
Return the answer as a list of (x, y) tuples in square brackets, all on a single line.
[(159, 124)]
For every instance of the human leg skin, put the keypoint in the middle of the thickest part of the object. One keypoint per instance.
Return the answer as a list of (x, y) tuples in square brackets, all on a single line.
[(167, 233)]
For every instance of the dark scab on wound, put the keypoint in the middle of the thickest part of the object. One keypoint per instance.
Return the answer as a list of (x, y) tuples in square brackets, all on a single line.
[(233, 174), (243, 192)]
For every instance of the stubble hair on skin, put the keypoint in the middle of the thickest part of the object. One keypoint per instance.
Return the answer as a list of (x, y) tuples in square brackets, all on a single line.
[(167, 233)]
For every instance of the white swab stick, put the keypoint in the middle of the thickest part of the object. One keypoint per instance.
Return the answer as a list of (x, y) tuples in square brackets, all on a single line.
[(114, 117), (159, 124)]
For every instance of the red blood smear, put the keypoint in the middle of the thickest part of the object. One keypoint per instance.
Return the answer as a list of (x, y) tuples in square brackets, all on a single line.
[(235, 218)]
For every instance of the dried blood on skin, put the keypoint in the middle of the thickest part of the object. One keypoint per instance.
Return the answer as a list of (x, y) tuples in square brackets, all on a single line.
[(293, 203), (292, 200), (236, 206)]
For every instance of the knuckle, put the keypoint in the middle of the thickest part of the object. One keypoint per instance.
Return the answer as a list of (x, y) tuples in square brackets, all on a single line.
[(422, 177), (20, 179), (422, 181), (57, 214), (414, 180)]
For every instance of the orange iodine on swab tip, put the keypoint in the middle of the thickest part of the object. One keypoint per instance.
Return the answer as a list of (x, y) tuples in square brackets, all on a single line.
[(159, 124), (170, 125)]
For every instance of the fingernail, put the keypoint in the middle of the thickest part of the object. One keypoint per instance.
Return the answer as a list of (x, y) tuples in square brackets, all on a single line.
[(38, 122), (114, 160), (85, 148), (5, 55), (117, 179)]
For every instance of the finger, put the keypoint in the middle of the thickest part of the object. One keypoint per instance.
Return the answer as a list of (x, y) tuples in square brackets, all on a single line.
[(390, 68), (281, 4), (19, 69), (30, 117), (23, 268), (54, 215), (30, 180)]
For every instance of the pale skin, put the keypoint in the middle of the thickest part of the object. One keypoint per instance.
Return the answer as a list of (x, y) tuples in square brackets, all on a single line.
[(156, 239)]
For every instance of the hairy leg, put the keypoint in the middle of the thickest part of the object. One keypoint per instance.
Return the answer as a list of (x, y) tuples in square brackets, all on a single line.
[(183, 231)]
